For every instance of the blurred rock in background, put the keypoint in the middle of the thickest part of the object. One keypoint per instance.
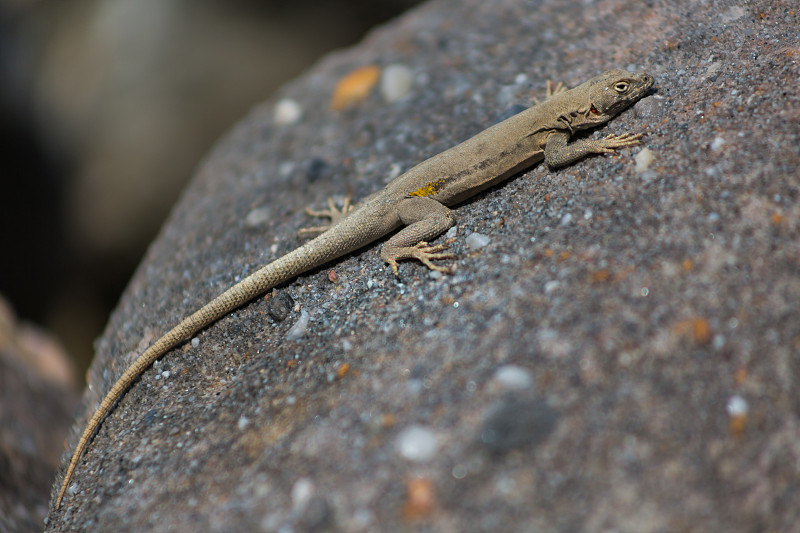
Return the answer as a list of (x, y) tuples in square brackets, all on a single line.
[(38, 393), (106, 107)]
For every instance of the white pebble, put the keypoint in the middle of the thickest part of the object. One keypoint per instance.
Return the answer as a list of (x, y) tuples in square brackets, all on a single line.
[(396, 82), (302, 493), (643, 159), (737, 406), (477, 240), (243, 422), (165, 374), (300, 327), (258, 216), (417, 443), (195, 342), (717, 143), (512, 377), (551, 285), (287, 111)]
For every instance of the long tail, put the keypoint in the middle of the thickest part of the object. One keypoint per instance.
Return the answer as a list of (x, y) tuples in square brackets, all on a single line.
[(311, 254)]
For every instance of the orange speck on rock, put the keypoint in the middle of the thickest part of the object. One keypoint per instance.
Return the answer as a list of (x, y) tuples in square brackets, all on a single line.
[(601, 276), (420, 498), (563, 256), (701, 330), (354, 87), (333, 277), (740, 376), (548, 252), (388, 420), (776, 219), (697, 328), (737, 425), (342, 371), (291, 363), (687, 264)]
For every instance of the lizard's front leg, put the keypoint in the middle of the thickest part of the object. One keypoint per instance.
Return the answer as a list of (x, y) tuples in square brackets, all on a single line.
[(425, 219), (333, 213), (559, 152)]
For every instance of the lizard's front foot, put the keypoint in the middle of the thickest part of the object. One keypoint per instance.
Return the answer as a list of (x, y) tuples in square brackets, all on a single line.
[(613, 142), (423, 252), (333, 213)]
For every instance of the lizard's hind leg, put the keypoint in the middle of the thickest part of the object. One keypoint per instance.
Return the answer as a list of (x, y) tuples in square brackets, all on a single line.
[(333, 213), (425, 220)]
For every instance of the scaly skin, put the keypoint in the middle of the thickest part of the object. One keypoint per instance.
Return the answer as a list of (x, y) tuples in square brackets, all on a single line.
[(418, 200)]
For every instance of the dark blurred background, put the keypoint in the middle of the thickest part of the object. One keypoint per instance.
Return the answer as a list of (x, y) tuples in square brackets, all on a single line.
[(106, 108)]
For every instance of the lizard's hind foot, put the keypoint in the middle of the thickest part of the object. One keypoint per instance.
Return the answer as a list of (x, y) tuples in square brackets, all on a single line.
[(422, 252), (333, 213)]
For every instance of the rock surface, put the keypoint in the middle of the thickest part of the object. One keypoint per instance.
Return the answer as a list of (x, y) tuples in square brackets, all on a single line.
[(649, 316)]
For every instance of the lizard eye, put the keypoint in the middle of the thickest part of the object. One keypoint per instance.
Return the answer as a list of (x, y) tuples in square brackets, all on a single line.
[(621, 87)]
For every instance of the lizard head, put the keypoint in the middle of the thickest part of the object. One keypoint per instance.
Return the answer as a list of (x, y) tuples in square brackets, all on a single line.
[(605, 96)]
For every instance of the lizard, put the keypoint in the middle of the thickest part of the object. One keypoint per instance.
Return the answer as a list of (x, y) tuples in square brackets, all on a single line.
[(419, 201)]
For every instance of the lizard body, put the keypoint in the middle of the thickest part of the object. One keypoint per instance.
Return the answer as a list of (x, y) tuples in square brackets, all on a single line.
[(418, 200)]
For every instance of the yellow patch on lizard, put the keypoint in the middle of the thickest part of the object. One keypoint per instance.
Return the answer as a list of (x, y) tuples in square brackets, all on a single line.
[(429, 189)]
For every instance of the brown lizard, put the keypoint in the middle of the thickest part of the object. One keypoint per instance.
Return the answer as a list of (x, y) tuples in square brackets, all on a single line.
[(418, 200)]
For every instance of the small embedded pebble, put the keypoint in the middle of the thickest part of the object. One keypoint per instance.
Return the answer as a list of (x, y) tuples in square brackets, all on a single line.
[(738, 409), (257, 217), (302, 492), (417, 443), (286, 111), (195, 342), (396, 82), (717, 143), (477, 240), (243, 422), (318, 515), (736, 406), (280, 305), (512, 377), (643, 159), (551, 285), (517, 423), (300, 327)]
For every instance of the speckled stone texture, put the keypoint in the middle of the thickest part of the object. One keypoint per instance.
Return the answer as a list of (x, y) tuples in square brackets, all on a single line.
[(622, 355)]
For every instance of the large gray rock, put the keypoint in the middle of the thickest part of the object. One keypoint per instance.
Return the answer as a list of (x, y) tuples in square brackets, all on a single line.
[(622, 355)]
